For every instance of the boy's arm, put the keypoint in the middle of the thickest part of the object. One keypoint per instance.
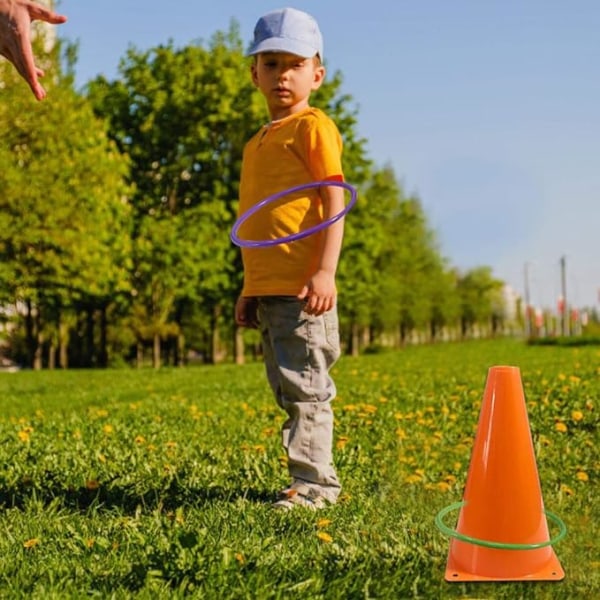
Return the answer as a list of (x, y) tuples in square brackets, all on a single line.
[(320, 290)]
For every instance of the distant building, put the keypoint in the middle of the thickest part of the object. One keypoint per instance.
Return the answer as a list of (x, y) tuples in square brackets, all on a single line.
[(511, 300)]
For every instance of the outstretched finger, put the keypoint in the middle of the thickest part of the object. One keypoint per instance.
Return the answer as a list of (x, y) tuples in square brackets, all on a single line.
[(22, 57), (41, 13)]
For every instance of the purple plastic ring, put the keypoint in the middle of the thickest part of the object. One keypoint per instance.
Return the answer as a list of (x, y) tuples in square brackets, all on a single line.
[(293, 236)]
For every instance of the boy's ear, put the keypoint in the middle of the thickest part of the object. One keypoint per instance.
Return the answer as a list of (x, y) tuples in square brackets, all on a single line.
[(319, 77), (253, 73)]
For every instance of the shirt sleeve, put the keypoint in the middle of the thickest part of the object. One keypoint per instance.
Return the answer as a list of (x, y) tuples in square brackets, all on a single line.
[(324, 149)]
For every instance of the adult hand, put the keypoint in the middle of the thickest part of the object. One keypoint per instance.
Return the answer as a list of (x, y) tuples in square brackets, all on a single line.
[(15, 40)]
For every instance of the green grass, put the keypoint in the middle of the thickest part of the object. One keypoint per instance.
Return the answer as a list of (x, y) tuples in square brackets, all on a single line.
[(144, 484)]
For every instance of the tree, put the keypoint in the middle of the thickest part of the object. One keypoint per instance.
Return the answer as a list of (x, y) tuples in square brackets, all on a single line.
[(63, 209), (478, 291), (182, 115)]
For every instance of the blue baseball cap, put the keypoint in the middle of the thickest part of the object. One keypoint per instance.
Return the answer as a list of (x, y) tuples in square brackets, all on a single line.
[(287, 30)]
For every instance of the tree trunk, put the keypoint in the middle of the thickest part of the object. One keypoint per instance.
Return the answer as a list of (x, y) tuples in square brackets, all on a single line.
[(355, 340), (180, 350), (30, 340), (366, 337), (156, 351), (215, 336), (63, 346), (103, 351), (239, 346), (139, 354), (90, 359), (52, 356), (37, 355)]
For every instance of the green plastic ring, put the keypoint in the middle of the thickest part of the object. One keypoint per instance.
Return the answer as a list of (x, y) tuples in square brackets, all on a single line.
[(439, 521)]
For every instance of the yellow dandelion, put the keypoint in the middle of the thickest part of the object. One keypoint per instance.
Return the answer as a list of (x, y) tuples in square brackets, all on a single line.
[(239, 557), (139, 439), (561, 427), (323, 523), (324, 537), (108, 429), (413, 478), (89, 543), (577, 415), (23, 435), (582, 476), (101, 458), (260, 448), (443, 486), (77, 434), (341, 442), (31, 543), (92, 484), (171, 444), (565, 489)]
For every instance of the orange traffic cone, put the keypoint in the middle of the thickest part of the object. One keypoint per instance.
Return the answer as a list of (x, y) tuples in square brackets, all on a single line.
[(502, 531)]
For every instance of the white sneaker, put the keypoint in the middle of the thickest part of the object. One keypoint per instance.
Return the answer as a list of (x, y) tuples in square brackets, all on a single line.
[(299, 494)]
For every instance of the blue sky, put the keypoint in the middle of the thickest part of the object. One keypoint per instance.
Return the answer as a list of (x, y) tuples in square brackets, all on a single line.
[(488, 110)]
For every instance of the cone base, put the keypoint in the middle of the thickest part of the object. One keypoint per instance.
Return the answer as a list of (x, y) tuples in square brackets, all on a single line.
[(552, 571)]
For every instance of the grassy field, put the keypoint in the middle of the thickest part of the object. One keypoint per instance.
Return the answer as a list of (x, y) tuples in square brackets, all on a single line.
[(144, 484)]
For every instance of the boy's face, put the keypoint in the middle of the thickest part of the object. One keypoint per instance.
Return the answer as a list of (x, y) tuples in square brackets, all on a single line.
[(286, 81)]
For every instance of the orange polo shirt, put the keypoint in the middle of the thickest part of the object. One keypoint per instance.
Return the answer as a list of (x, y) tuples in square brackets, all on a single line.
[(302, 148)]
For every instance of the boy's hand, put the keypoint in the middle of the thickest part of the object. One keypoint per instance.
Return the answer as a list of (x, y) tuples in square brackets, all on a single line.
[(246, 312), (319, 293)]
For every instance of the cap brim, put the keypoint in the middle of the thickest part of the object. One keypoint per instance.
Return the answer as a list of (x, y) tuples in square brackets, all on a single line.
[(283, 45)]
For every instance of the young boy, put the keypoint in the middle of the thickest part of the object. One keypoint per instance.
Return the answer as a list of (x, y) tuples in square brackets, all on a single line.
[(289, 289)]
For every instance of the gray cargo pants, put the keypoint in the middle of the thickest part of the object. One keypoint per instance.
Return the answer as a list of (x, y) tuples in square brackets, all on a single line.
[(299, 350)]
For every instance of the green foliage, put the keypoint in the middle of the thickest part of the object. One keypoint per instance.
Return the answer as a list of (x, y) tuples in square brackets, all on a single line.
[(156, 484), (116, 207), (64, 208), (183, 116)]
